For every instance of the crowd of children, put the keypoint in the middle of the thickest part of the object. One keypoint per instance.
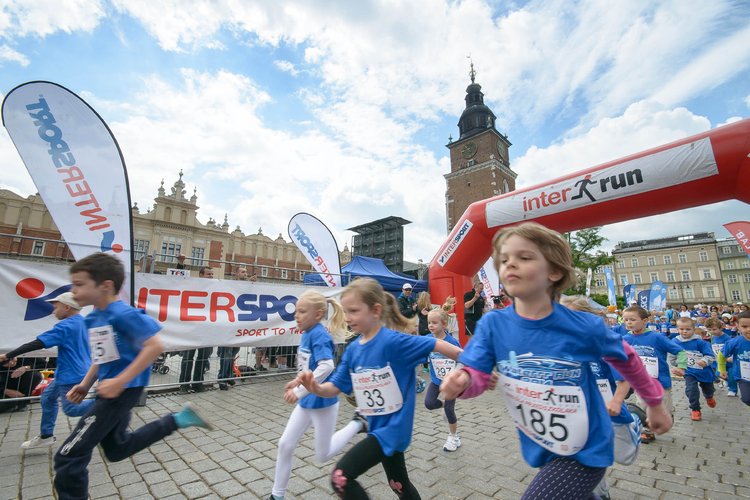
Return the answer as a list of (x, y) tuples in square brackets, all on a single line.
[(564, 374)]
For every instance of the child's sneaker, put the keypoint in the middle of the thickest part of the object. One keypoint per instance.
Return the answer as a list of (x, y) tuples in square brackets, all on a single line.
[(452, 443), (711, 402), (695, 415), (189, 417), (358, 417), (420, 385), (731, 394), (647, 436), (38, 442)]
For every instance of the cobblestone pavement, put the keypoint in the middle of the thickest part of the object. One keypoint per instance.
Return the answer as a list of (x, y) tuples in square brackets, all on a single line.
[(707, 459)]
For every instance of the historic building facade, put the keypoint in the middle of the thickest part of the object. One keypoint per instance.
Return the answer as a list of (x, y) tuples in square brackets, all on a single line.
[(480, 167), (735, 270), (165, 231)]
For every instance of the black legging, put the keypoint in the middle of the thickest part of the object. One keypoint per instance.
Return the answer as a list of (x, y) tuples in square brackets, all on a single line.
[(362, 457), (564, 479), (431, 402)]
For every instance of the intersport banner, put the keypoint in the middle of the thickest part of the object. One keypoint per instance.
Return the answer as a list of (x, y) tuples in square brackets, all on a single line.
[(77, 167), (741, 232), (489, 278), (317, 244), (193, 312)]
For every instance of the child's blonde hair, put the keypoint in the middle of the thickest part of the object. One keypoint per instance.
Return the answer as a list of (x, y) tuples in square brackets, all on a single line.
[(336, 322), (685, 319), (371, 293), (580, 303), (553, 247), (642, 313), (424, 301), (444, 317)]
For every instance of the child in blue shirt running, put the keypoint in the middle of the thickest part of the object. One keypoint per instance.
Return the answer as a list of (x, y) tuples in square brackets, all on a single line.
[(699, 372), (738, 349), (718, 338), (543, 352), (124, 342), (379, 367)]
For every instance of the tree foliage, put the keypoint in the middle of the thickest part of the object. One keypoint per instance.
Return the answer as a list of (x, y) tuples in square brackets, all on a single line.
[(587, 254)]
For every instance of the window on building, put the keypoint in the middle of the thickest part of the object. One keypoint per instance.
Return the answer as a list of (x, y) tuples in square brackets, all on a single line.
[(38, 248), (667, 259), (264, 272), (732, 278), (729, 264), (685, 275), (170, 249), (670, 275), (707, 274), (689, 293), (746, 277), (301, 276), (599, 283), (637, 278), (633, 262), (710, 292), (736, 295), (673, 295), (652, 261), (599, 270), (197, 255), (654, 277), (623, 280), (726, 250), (748, 294), (746, 264), (682, 258), (703, 256), (140, 249), (620, 264), (284, 274)]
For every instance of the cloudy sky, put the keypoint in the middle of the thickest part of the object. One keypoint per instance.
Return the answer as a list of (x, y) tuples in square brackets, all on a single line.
[(343, 109)]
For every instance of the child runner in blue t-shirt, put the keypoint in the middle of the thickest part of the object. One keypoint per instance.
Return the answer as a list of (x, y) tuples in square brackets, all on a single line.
[(379, 367), (543, 352), (699, 372), (124, 342), (440, 366), (718, 338), (73, 361), (316, 352), (738, 349)]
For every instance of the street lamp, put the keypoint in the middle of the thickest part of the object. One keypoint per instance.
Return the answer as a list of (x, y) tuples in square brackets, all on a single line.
[(680, 287)]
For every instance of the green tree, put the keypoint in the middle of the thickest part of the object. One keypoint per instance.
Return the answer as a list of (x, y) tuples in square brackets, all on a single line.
[(587, 254)]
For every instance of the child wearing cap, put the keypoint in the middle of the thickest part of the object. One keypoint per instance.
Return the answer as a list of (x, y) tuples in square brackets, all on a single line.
[(73, 360)]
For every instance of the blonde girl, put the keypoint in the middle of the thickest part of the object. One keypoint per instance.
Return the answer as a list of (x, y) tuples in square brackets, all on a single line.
[(424, 305), (315, 355), (379, 367), (542, 351), (440, 366)]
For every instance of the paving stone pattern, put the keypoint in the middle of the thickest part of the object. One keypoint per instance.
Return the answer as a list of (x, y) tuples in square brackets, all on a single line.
[(707, 459)]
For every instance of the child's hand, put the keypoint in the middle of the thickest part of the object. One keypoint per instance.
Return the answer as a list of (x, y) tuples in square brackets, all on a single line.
[(109, 388), (701, 363), (723, 376), (678, 371), (291, 385), (454, 384), (658, 419), (77, 394), (306, 378), (614, 407), (289, 396), (494, 377)]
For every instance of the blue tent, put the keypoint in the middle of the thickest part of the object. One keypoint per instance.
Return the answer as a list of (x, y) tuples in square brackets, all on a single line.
[(375, 269)]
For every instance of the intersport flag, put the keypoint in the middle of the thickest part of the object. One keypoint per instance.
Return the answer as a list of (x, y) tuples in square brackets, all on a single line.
[(741, 232), (488, 276), (77, 167), (317, 244)]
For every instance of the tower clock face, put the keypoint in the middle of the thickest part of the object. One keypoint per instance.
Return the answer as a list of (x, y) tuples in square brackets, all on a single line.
[(469, 150), (502, 149)]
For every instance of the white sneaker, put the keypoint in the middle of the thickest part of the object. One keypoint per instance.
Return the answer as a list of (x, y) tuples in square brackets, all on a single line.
[(38, 442), (452, 443), (731, 394)]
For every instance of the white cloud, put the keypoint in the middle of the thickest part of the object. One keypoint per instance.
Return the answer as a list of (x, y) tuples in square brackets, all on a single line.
[(8, 54), (747, 101), (286, 67), (46, 17)]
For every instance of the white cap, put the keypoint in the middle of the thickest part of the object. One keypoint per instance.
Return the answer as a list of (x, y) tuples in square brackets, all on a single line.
[(67, 299), (406, 286)]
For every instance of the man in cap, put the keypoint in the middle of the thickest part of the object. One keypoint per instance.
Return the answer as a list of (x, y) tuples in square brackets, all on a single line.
[(70, 336), (407, 304)]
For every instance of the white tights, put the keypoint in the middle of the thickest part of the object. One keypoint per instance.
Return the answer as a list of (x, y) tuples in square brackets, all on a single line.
[(327, 444)]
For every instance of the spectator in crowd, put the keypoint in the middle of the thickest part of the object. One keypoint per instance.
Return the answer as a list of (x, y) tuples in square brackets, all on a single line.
[(473, 306), (18, 379), (407, 304), (227, 354), (180, 262), (424, 305), (189, 363)]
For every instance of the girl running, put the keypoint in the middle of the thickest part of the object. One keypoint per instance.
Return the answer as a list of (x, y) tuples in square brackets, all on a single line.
[(379, 367), (440, 366), (542, 351), (315, 355)]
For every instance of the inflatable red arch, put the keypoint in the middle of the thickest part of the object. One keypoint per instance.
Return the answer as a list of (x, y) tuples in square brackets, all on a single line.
[(699, 170)]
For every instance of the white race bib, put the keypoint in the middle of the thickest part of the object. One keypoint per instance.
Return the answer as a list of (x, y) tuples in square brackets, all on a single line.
[(652, 366), (553, 416), (745, 370), (604, 389), (303, 361), (717, 349), (442, 366), (377, 391), (102, 343), (693, 358)]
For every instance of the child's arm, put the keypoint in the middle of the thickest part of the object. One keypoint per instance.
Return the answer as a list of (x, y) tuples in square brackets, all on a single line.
[(326, 389), (447, 349), (78, 392), (614, 407), (295, 391), (113, 387), (633, 371), (465, 383)]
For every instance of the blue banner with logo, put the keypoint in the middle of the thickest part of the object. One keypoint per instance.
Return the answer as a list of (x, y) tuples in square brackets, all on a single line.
[(610, 286), (643, 299), (657, 298), (629, 291), (77, 167)]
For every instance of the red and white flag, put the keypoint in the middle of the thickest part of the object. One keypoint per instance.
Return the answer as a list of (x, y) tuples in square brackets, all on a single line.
[(741, 232)]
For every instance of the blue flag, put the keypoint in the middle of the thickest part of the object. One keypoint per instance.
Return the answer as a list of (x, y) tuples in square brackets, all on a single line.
[(643, 299), (610, 286), (629, 292), (657, 298)]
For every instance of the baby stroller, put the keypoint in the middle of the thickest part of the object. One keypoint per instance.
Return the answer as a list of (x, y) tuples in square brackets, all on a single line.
[(160, 364)]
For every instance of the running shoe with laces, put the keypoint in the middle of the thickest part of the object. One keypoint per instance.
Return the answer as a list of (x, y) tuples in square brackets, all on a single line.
[(695, 415), (452, 443), (711, 402), (420, 385), (358, 417), (38, 442), (647, 436)]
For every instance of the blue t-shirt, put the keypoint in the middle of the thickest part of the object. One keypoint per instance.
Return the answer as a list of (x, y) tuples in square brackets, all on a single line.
[(717, 344), (436, 355), (316, 345), (555, 352), (606, 380), (654, 345), (697, 348), (73, 355), (131, 329), (739, 349), (620, 329), (402, 352)]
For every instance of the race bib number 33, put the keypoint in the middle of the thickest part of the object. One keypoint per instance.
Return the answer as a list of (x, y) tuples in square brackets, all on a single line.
[(555, 417), (377, 392)]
